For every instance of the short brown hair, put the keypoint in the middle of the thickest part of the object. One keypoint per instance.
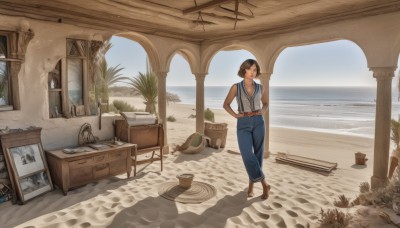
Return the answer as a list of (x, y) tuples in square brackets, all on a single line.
[(246, 65)]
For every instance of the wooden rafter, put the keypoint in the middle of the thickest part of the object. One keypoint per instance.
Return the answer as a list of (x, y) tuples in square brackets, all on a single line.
[(207, 5), (227, 12)]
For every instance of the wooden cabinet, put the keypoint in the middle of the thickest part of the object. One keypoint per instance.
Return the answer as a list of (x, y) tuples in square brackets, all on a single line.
[(73, 170)]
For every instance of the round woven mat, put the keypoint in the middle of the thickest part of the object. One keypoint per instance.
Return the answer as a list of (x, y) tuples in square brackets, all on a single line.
[(197, 193)]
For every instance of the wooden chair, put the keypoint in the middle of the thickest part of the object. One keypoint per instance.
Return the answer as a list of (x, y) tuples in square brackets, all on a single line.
[(148, 138)]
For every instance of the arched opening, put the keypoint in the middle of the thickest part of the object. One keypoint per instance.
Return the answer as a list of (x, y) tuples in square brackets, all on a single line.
[(181, 93), (125, 59), (323, 96)]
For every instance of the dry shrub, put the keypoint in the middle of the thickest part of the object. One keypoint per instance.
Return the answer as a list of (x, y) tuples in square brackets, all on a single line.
[(343, 202), (334, 218), (356, 201), (364, 187)]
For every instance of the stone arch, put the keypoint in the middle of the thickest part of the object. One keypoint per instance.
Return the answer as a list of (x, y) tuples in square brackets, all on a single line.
[(212, 50), (278, 50), (187, 54), (147, 44)]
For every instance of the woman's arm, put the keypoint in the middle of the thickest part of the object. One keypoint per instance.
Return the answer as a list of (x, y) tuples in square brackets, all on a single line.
[(228, 100), (264, 101)]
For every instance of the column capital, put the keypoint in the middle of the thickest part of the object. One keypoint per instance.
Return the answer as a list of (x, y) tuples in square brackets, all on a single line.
[(200, 76), (265, 76), (382, 73), (162, 74)]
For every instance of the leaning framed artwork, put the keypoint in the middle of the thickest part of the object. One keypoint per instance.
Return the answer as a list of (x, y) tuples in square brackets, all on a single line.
[(26, 163)]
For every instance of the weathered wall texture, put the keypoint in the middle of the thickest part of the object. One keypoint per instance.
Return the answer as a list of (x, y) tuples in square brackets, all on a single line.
[(43, 52)]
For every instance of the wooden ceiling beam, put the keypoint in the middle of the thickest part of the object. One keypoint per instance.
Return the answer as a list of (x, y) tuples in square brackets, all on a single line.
[(89, 21), (231, 13), (207, 5)]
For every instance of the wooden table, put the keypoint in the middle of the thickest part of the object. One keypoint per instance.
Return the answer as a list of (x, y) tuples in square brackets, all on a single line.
[(73, 170)]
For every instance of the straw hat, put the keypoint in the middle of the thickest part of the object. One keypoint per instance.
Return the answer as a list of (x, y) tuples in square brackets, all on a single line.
[(197, 193)]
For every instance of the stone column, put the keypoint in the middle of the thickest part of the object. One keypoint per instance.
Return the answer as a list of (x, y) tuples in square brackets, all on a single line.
[(162, 105), (264, 78), (383, 77), (200, 102)]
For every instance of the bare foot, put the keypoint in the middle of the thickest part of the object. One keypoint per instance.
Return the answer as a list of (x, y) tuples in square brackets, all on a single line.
[(250, 190), (266, 189)]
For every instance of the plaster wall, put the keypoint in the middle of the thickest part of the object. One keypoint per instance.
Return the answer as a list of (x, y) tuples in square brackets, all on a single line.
[(43, 52)]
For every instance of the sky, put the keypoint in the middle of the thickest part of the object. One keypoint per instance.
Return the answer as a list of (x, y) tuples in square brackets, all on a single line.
[(336, 63)]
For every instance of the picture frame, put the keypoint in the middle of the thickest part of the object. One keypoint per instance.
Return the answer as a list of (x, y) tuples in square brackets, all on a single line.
[(26, 164)]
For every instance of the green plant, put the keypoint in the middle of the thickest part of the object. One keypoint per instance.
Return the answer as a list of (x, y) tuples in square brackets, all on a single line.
[(209, 115), (171, 119), (146, 84), (122, 106)]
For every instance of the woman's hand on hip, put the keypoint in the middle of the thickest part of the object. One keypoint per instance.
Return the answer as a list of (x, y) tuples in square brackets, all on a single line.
[(238, 115)]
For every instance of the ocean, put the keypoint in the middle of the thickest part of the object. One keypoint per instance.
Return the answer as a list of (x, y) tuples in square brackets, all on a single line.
[(341, 110)]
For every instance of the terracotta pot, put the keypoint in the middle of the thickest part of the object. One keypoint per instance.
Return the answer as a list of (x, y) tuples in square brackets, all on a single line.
[(360, 158)]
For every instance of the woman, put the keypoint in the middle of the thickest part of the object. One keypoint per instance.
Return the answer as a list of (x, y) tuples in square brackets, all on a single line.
[(250, 122)]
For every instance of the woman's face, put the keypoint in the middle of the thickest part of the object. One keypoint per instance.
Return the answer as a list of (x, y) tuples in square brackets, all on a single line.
[(251, 73)]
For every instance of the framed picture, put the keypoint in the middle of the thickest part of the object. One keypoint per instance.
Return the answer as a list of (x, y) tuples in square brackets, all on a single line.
[(27, 159), (26, 164)]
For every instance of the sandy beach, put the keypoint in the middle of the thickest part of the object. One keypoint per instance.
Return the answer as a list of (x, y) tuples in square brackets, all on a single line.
[(295, 200)]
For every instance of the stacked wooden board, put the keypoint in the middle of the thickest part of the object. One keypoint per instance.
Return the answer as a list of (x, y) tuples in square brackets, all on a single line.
[(310, 163)]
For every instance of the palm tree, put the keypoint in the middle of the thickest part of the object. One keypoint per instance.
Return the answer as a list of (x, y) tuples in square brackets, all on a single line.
[(146, 84), (106, 76)]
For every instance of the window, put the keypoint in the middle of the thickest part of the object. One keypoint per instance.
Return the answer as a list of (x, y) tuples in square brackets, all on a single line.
[(71, 83), (5, 101), (12, 54)]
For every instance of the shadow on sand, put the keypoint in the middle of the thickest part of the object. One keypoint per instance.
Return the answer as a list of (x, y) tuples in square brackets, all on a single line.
[(160, 212)]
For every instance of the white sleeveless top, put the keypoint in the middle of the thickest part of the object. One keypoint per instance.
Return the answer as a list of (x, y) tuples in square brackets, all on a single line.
[(245, 102)]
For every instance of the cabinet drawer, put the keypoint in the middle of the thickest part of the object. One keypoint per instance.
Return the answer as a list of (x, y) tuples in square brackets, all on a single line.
[(101, 170), (80, 163), (100, 158), (117, 155), (118, 167), (79, 176)]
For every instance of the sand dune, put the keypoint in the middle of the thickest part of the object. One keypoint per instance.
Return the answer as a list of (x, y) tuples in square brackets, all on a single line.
[(295, 200)]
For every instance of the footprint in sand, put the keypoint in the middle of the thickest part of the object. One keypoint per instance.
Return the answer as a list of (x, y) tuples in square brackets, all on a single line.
[(115, 199), (71, 222), (263, 216), (277, 205), (292, 213), (85, 224), (78, 213), (301, 200), (61, 213), (109, 214), (301, 210)]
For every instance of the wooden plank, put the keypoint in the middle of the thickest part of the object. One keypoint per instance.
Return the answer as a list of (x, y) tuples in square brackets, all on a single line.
[(309, 165), (306, 162), (205, 6), (305, 166)]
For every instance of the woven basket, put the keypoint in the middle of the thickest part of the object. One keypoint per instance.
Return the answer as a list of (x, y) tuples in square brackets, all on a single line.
[(217, 133), (215, 126), (185, 180)]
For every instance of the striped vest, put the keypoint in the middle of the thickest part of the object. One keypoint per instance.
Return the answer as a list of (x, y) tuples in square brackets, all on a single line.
[(245, 102)]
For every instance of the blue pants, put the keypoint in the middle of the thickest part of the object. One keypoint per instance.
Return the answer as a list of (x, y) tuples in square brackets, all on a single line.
[(250, 135)]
